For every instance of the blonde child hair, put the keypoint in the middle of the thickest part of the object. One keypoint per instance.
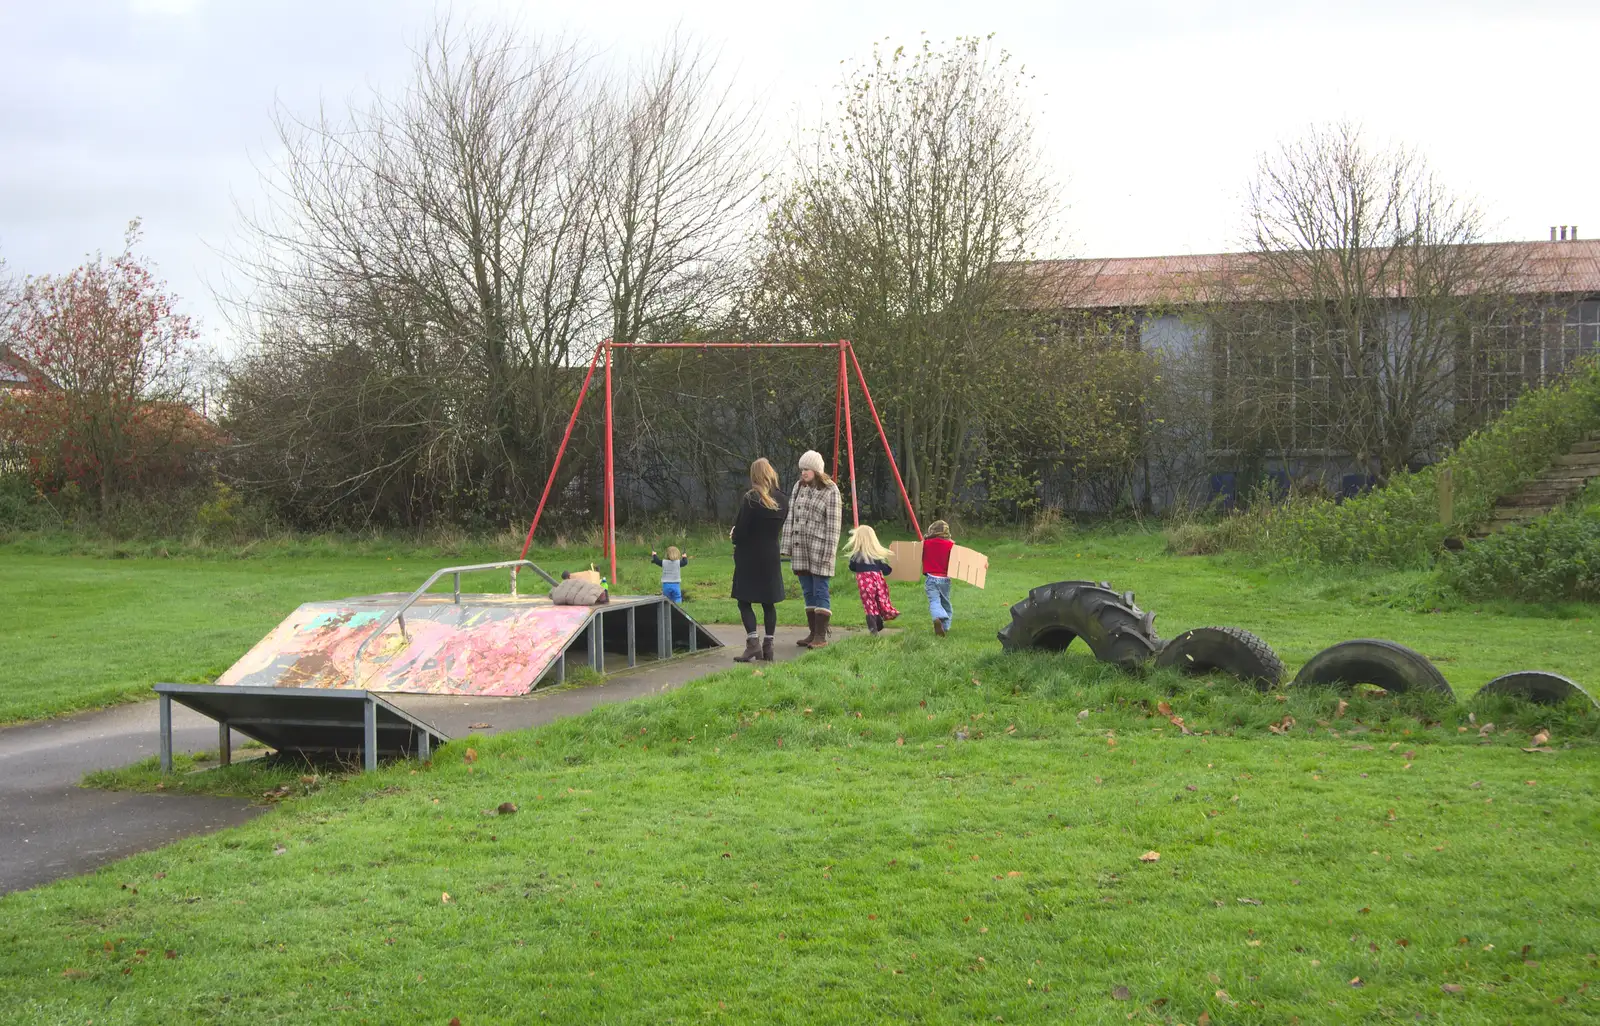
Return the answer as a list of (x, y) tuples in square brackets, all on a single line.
[(672, 552), (864, 542)]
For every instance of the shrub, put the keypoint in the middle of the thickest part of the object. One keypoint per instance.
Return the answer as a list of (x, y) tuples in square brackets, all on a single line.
[(1398, 525), (1553, 558)]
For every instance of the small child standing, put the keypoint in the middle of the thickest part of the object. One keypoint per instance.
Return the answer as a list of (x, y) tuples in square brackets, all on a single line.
[(867, 555), (671, 572), (936, 575)]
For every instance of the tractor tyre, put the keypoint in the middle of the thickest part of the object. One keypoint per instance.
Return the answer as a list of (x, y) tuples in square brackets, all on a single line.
[(1536, 686), (1229, 649), (1391, 666), (1053, 615)]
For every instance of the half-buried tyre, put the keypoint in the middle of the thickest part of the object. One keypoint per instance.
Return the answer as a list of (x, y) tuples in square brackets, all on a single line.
[(1053, 615), (1225, 649), (1536, 686), (1390, 666)]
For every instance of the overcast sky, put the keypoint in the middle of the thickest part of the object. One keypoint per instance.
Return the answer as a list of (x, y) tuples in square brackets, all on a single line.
[(1153, 113)]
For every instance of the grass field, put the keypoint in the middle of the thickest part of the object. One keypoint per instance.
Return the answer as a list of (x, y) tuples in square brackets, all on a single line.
[(894, 829), (86, 631)]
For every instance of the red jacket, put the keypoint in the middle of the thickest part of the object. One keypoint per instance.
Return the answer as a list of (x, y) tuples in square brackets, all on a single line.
[(936, 556)]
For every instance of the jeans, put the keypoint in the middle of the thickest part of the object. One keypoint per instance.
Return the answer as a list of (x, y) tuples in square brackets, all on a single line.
[(938, 589), (814, 588), (672, 590)]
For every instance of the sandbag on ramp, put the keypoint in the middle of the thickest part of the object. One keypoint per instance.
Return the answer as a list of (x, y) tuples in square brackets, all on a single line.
[(484, 645)]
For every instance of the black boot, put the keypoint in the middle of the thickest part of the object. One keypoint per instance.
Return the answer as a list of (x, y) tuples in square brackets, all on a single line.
[(752, 650), (874, 623), (766, 649)]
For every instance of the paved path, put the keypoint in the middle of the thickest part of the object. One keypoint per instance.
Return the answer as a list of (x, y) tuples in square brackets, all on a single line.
[(51, 828)]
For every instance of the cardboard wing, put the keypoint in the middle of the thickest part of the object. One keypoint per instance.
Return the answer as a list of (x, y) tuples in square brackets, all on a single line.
[(906, 558), (968, 565), (965, 564)]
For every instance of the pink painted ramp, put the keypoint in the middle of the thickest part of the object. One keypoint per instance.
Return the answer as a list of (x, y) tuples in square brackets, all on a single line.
[(483, 645)]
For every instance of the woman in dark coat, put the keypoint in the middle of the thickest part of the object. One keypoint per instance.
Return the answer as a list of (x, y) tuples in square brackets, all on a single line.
[(757, 575)]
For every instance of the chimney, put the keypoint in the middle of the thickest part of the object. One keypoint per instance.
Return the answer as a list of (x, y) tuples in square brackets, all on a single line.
[(1574, 233), (1563, 233), (1552, 233)]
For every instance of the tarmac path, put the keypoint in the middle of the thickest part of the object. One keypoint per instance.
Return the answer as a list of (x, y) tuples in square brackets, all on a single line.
[(52, 828)]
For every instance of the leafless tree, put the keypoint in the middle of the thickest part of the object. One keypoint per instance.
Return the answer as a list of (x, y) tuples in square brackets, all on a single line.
[(437, 265), (898, 231), (676, 163), (1366, 285)]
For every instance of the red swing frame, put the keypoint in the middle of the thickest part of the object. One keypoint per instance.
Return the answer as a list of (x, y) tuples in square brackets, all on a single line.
[(841, 424)]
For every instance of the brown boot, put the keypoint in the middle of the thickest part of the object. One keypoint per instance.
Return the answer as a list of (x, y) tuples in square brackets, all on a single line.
[(766, 649), (811, 629), (820, 639), (752, 650), (938, 627)]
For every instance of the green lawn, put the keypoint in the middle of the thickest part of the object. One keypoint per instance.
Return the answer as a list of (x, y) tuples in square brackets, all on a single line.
[(894, 829), (89, 631)]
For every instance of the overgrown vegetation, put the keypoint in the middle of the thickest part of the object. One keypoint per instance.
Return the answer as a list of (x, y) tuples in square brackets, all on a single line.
[(1398, 525), (1554, 557)]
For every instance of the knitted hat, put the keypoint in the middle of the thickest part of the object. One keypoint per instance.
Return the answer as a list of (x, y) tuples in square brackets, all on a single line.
[(812, 461), (938, 529)]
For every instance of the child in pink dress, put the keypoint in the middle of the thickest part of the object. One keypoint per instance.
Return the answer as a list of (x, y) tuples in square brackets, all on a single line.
[(867, 561)]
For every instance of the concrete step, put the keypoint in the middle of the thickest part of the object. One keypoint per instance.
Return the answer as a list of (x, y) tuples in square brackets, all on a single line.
[(1518, 512), (1580, 459), (1578, 447), (1539, 497)]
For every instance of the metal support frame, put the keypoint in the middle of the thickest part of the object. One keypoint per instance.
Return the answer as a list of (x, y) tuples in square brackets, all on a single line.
[(369, 735), (841, 424), (164, 706), (224, 743), (633, 623)]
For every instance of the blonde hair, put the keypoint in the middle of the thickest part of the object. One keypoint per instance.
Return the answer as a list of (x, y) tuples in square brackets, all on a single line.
[(672, 552), (763, 482), (864, 542)]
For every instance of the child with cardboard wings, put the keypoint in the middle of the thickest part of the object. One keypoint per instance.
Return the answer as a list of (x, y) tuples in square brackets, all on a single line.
[(940, 561)]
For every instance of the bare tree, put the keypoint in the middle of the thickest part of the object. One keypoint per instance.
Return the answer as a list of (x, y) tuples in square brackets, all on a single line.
[(1366, 286), (897, 232), (676, 173)]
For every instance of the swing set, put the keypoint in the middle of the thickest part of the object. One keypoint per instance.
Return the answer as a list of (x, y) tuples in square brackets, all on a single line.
[(841, 430)]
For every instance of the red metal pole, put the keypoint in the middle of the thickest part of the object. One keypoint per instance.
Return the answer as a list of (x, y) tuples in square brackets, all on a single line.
[(839, 404), (724, 345), (849, 437), (867, 392), (551, 480), (611, 490)]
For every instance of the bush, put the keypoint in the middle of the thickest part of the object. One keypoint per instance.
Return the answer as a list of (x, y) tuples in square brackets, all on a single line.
[(1398, 525), (1553, 558)]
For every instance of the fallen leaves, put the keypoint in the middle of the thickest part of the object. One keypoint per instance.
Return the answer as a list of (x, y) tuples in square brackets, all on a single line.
[(1150, 856), (1121, 993), (1249, 901), (506, 808), (1164, 708), (1083, 714), (470, 755), (1283, 726), (1486, 730), (1339, 712), (1452, 988), (479, 726), (445, 899), (1540, 738), (1356, 981)]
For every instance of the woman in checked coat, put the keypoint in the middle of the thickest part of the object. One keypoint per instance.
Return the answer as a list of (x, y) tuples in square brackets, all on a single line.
[(811, 541)]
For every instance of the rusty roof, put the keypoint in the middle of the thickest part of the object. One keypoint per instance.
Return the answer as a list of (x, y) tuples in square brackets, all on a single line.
[(1567, 267)]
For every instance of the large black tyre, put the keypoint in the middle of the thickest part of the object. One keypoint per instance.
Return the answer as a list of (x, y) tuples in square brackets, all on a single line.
[(1536, 686), (1229, 649), (1392, 667), (1053, 615)]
